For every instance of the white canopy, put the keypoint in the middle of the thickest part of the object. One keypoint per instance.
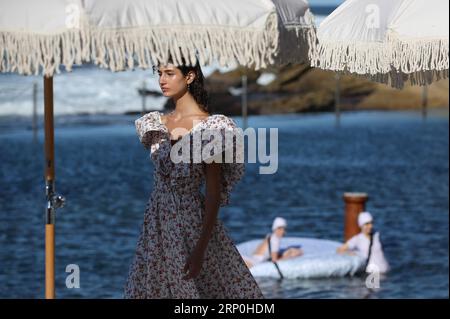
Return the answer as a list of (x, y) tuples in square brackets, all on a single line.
[(297, 32), (38, 36), (387, 41), (232, 31)]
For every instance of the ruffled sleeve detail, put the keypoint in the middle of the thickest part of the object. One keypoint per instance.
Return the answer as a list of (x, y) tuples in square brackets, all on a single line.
[(149, 129), (222, 142)]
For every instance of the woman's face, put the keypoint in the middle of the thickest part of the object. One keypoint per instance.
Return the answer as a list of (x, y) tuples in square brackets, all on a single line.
[(367, 228), (280, 231), (172, 81)]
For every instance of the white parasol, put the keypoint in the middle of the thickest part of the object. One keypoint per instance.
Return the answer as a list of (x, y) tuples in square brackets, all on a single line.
[(391, 42), (38, 37)]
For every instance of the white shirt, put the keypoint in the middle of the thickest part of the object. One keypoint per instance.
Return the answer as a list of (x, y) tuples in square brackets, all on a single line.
[(274, 245), (360, 244)]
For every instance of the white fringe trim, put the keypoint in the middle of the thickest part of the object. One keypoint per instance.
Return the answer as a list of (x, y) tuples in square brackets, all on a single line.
[(33, 54), (121, 49), (398, 79), (298, 41), (144, 47), (420, 55), (396, 62), (354, 57)]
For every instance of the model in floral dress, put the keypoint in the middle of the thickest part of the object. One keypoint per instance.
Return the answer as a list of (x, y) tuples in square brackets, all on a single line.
[(173, 221)]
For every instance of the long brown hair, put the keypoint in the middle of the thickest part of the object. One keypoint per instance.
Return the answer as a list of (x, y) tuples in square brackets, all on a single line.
[(196, 88)]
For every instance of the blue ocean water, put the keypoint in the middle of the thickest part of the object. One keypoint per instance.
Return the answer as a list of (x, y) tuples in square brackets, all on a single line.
[(401, 161)]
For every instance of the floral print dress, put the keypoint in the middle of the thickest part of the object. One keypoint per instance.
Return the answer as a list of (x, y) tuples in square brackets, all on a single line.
[(173, 222)]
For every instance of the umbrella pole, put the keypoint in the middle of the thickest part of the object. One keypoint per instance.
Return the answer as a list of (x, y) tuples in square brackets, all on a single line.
[(49, 188), (54, 201), (337, 99), (244, 100), (34, 124), (424, 101)]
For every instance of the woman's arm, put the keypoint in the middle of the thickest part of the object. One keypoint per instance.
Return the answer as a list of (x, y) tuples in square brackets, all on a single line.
[(345, 249), (212, 203), (342, 249), (275, 257)]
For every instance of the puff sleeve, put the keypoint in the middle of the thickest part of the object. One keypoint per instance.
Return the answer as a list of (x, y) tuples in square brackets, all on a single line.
[(149, 129), (222, 142)]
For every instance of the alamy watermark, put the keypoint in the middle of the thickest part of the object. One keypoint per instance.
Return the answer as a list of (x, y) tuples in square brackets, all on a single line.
[(73, 14), (373, 278), (73, 279), (373, 16), (227, 146)]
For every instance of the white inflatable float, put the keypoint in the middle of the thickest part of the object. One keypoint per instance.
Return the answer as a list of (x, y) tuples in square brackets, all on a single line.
[(319, 260)]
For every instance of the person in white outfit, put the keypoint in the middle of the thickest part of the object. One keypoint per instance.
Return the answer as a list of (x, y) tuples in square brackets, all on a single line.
[(367, 244), (261, 253)]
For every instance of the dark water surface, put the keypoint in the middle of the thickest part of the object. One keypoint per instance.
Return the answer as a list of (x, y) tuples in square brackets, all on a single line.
[(106, 176)]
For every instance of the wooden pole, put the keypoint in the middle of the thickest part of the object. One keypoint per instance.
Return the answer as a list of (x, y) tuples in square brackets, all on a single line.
[(354, 204), (424, 102), (337, 99), (49, 261), (34, 124), (244, 101), (144, 96), (49, 181)]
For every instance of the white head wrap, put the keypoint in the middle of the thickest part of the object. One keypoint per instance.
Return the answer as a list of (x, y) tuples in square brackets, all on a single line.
[(279, 222), (364, 218)]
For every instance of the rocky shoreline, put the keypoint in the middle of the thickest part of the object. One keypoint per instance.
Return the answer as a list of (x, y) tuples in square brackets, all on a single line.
[(300, 88)]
